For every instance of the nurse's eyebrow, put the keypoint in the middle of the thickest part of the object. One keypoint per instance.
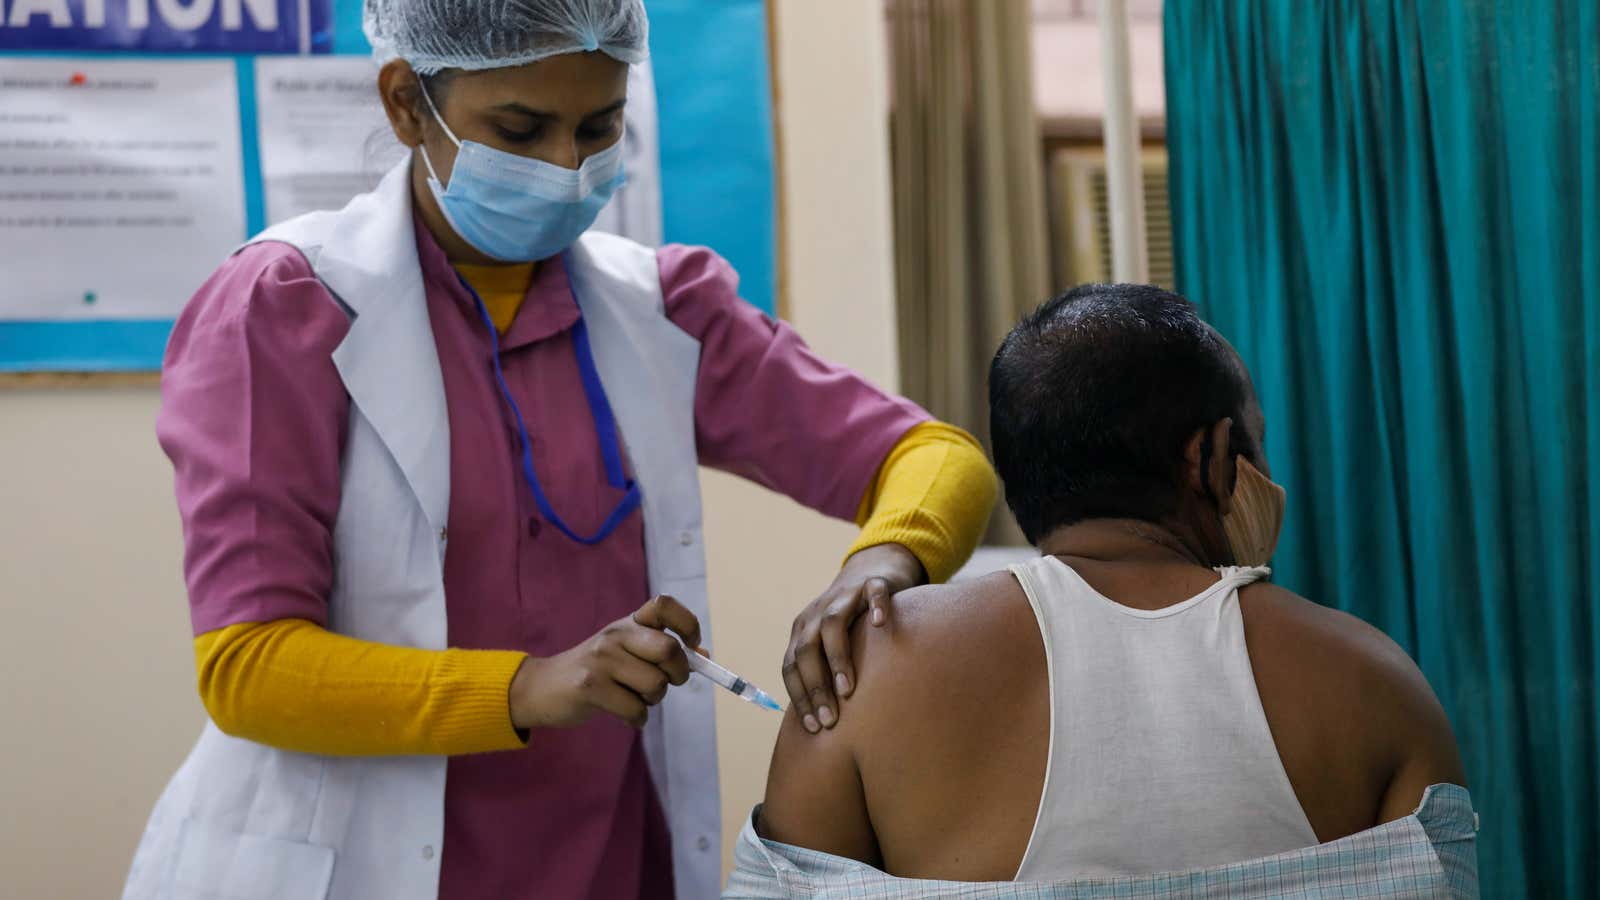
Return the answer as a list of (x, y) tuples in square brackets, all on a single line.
[(515, 107), (607, 110)]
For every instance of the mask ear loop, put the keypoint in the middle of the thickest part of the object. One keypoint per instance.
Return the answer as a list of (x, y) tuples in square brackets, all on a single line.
[(1205, 467), (1206, 449), (421, 86)]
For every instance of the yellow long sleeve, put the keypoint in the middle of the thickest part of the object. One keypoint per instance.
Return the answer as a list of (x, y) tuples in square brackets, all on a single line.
[(933, 495), (292, 684)]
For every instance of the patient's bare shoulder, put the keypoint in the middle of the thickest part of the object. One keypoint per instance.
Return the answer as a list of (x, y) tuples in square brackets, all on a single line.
[(914, 678), (952, 729), (1333, 638), (1342, 697), (1301, 640), (966, 632)]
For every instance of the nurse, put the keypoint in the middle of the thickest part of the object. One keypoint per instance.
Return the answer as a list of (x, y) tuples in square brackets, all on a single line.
[(436, 458)]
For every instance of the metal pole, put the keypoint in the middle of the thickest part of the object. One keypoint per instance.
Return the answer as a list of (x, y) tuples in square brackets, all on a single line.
[(1130, 256)]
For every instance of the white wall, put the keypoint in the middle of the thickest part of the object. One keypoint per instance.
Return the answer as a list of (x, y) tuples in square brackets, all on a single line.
[(98, 703), (1069, 83)]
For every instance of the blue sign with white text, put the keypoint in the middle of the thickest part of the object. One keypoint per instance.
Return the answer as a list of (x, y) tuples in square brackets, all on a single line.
[(163, 26), (711, 72)]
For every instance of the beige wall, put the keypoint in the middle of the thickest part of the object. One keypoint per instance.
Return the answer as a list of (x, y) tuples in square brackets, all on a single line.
[(1069, 82), (769, 556), (98, 705)]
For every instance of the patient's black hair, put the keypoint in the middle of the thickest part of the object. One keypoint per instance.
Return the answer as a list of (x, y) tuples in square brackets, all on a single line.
[(1093, 396)]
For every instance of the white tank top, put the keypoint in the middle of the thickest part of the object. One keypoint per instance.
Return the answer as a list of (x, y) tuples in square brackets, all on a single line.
[(1160, 755)]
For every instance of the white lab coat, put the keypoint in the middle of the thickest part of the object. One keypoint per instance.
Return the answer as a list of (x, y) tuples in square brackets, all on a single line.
[(242, 820)]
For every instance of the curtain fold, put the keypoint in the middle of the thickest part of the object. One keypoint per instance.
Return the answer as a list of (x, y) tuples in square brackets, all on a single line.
[(970, 229), (1393, 210)]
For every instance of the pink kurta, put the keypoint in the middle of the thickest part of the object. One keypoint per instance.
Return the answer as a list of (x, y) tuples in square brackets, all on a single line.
[(254, 417)]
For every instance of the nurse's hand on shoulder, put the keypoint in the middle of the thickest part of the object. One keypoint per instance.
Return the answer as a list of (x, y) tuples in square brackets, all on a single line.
[(623, 670), (816, 667)]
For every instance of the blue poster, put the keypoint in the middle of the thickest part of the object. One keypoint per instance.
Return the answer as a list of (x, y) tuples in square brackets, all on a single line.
[(715, 122), (165, 26)]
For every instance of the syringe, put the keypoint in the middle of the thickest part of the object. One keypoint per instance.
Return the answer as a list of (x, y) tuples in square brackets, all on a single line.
[(724, 678)]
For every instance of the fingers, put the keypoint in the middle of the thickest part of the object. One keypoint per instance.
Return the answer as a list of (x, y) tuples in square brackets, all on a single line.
[(642, 678), (834, 633), (799, 697), (816, 679), (659, 649), (621, 702), (629, 666), (817, 669), (878, 592), (662, 611), (620, 681)]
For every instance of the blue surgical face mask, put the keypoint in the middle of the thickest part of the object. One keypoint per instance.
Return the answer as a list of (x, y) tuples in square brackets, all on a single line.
[(517, 209)]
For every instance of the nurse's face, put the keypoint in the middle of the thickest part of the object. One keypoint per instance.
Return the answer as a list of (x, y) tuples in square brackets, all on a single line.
[(562, 110)]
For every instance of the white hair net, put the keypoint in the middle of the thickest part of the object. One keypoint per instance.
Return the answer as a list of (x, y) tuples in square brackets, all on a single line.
[(433, 35)]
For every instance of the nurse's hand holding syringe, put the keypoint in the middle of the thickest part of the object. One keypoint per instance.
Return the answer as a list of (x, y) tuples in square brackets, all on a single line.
[(624, 669)]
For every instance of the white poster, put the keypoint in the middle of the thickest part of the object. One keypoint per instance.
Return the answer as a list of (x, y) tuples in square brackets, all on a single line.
[(323, 133), (120, 184)]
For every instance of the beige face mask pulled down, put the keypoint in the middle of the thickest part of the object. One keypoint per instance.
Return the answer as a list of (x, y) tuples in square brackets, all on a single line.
[(1253, 525)]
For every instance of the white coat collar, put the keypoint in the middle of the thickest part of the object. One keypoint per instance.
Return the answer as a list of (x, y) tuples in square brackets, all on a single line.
[(389, 362)]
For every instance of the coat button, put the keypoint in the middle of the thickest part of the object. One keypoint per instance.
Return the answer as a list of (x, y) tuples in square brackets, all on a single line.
[(427, 852), (534, 526), (686, 538), (444, 535), (704, 843)]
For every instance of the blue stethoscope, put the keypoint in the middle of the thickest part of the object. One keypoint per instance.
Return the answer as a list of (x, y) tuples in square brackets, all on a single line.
[(605, 424)]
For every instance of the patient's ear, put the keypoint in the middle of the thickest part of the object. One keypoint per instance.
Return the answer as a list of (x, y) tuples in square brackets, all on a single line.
[(1208, 466)]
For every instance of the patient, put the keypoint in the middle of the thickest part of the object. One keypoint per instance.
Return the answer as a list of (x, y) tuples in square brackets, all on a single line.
[(1138, 699)]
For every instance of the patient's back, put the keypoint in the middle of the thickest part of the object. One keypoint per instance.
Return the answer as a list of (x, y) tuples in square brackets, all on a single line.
[(1253, 721), (1181, 771)]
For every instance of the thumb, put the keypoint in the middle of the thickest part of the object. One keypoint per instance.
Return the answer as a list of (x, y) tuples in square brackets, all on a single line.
[(878, 600)]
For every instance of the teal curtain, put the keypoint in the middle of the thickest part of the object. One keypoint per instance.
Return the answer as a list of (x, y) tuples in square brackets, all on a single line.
[(1392, 207)]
